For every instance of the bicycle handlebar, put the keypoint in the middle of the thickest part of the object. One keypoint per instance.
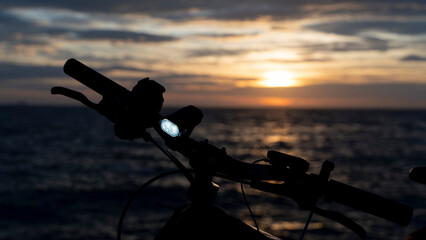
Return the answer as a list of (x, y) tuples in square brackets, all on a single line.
[(296, 183)]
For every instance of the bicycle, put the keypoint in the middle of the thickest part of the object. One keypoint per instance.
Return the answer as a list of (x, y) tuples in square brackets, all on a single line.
[(133, 112)]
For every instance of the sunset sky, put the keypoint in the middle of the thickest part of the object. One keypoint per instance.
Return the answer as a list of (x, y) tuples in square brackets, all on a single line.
[(310, 54)]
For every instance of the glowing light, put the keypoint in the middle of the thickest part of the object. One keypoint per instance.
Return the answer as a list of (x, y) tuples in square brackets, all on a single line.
[(169, 127), (278, 79)]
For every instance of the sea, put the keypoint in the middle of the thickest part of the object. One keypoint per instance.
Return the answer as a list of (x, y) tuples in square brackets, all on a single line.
[(64, 174)]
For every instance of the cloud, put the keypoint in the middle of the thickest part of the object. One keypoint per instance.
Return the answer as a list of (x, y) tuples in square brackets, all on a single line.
[(199, 81), (11, 26), (362, 44), (176, 10), (181, 10), (226, 35), (16, 29), (12, 71), (215, 52), (354, 27), (413, 58), (115, 35)]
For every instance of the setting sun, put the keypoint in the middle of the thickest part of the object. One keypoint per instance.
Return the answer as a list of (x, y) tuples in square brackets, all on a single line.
[(277, 79)]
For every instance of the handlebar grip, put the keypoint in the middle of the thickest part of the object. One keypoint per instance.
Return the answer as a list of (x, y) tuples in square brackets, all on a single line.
[(95, 80), (368, 202)]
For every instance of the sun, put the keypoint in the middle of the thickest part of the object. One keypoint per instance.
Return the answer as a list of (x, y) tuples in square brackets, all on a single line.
[(277, 79)]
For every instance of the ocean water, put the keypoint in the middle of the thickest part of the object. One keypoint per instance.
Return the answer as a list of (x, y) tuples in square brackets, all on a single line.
[(64, 175)]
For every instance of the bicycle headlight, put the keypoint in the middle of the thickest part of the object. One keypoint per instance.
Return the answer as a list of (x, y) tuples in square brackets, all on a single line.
[(182, 122), (169, 127)]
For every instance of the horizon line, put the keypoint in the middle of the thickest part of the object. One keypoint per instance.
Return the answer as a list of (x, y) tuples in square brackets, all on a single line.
[(354, 108)]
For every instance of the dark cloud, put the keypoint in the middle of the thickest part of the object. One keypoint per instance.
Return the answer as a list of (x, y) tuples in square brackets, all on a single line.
[(355, 27), (376, 44), (215, 52), (413, 58), (180, 10), (199, 79), (365, 44), (21, 35), (11, 27), (226, 35), (15, 30), (356, 46), (391, 8), (224, 9), (12, 71), (177, 9), (110, 6), (115, 35), (10, 21)]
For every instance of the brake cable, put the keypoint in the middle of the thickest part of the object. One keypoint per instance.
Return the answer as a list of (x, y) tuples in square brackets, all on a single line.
[(249, 208), (246, 202), (308, 221), (186, 172), (136, 193)]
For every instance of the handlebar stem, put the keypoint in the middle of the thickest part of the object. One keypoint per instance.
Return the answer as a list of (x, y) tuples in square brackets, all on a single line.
[(203, 190)]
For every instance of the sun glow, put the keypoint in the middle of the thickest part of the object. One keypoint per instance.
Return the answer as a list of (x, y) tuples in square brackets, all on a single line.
[(278, 79)]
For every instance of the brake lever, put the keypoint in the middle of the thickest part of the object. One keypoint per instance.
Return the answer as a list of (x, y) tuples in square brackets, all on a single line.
[(75, 95), (102, 107), (342, 219)]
